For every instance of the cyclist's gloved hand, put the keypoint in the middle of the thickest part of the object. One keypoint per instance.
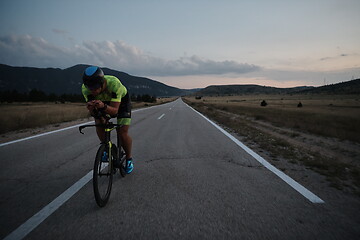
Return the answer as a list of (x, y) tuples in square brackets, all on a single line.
[(96, 114)]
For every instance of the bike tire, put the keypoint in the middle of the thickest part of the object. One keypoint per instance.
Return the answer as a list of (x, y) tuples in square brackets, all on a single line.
[(102, 176)]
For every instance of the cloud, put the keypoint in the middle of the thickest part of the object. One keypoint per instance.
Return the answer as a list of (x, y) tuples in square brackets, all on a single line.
[(63, 33), (121, 55), (196, 66), (30, 51), (335, 57), (306, 77), (59, 31), (26, 50)]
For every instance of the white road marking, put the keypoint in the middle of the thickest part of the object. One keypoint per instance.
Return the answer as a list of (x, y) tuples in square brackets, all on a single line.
[(39, 217), (43, 134), (161, 116), (295, 185), (59, 130)]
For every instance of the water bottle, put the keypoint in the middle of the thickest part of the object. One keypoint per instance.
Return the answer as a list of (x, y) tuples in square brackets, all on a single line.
[(104, 157)]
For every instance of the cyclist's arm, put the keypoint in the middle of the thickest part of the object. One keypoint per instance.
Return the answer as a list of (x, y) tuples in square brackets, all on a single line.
[(112, 108)]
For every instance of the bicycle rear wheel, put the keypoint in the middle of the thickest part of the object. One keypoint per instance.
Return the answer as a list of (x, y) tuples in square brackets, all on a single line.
[(103, 175), (122, 158)]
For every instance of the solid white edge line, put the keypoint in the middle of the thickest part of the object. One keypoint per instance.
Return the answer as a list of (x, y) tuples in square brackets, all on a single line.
[(25, 228), (59, 130), (40, 216), (161, 116), (42, 134), (295, 185)]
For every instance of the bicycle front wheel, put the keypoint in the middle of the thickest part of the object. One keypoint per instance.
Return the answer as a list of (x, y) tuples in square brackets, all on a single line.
[(102, 175)]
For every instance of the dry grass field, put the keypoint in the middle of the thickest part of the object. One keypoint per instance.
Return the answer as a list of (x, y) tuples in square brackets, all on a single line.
[(17, 116), (332, 116), (322, 135), (163, 100)]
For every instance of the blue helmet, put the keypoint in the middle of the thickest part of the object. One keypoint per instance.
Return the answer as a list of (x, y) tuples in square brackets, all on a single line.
[(93, 77)]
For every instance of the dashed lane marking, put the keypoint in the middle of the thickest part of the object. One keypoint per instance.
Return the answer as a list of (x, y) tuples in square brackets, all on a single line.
[(162, 115)]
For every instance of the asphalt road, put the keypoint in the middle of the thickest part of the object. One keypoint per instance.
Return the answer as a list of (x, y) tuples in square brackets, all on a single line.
[(190, 181)]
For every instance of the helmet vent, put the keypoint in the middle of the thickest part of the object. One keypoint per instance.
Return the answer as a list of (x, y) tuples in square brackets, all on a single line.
[(90, 70)]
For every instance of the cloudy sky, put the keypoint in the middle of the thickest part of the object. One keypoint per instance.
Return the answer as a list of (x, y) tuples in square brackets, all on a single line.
[(189, 43)]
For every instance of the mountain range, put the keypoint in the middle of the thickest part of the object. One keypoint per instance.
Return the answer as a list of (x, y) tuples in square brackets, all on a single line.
[(247, 90), (349, 87), (68, 81)]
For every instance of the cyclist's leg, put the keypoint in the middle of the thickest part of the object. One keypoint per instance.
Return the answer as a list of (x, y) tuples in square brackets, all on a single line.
[(100, 131), (126, 140), (124, 118), (127, 145)]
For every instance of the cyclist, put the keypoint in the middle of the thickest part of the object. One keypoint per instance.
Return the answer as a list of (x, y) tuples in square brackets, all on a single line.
[(107, 97)]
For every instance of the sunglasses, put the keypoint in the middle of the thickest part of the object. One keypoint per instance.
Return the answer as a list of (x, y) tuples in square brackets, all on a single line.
[(94, 87)]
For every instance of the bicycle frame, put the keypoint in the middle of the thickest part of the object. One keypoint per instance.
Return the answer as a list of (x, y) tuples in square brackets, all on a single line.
[(100, 165), (108, 127)]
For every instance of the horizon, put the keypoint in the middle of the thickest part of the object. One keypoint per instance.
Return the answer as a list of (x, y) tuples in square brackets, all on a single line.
[(190, 44), (242, 84)]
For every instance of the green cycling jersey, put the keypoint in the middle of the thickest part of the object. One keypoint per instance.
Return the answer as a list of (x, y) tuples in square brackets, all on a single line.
[(113, 92)]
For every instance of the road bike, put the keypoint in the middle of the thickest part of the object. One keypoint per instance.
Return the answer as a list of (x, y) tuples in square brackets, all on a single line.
[(104, 168)]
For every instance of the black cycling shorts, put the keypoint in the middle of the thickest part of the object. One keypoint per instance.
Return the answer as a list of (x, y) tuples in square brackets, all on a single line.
[(125, 107), (124, 111)]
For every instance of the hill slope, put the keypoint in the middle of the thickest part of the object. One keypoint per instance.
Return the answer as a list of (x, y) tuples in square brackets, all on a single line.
[(247, 90), (69, 80), (350, 87)]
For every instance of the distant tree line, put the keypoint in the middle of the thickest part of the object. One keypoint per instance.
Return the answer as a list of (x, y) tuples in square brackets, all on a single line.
[(39, 96), (143, 98)]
